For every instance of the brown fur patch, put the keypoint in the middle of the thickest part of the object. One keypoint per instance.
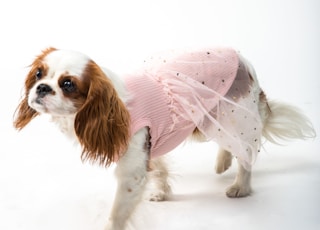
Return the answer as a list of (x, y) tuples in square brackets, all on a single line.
[(242, 84), (102, 123), (79, 95), (263, 99)]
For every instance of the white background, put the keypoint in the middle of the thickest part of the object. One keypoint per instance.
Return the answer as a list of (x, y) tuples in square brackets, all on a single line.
[(44, 185)]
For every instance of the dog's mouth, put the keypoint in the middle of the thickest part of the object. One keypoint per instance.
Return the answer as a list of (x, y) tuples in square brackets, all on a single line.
[(39, 104), (39, 100)]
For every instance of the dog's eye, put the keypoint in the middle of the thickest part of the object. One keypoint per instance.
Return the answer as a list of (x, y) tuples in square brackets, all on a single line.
[(38, 74), (68, 86)]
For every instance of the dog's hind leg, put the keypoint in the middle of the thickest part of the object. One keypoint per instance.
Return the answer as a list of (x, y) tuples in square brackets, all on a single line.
[(224, 161), (158, 188), (241, 187)]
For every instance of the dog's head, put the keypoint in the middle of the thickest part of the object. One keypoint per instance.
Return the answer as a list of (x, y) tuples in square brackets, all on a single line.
[(69, 84)]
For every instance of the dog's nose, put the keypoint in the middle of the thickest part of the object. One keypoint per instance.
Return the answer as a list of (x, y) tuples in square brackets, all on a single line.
[(43, 90)]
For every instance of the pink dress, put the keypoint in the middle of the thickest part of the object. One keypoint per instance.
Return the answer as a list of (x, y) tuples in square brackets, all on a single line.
[(208, 89)]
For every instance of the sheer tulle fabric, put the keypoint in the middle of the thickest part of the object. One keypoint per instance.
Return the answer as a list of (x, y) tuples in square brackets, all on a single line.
[(226, 114)]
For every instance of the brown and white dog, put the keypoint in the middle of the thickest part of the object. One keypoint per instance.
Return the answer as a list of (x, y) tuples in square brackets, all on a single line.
[(212, 94)]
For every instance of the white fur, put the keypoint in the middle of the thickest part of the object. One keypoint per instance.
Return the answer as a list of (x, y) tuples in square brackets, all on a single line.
[(284, 122), (132, 178)]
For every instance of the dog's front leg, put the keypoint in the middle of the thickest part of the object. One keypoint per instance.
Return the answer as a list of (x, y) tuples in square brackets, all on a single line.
[(131, 174)]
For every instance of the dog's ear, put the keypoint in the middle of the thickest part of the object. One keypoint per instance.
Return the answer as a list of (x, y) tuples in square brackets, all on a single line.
[(102, 123), (23, 114)]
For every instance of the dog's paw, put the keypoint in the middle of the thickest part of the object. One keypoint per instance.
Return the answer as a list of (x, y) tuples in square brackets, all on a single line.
[(236, 190), (158, 194), (108, 226), (113, 226)]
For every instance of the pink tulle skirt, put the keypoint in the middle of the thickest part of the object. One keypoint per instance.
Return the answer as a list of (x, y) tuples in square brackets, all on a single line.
[(222, 102)]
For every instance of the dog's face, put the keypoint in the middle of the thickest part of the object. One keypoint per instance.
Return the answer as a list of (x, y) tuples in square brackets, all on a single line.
[(59, 86), (68, 84)]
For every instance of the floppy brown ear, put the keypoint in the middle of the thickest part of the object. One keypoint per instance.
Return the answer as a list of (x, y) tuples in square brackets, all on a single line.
[(23, 114), (102, 123)]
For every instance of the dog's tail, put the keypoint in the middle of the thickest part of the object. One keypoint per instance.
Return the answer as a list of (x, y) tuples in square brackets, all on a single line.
[(285, 122)]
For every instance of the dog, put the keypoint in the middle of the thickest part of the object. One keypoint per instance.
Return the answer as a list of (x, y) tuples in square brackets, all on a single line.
[(210, 94)]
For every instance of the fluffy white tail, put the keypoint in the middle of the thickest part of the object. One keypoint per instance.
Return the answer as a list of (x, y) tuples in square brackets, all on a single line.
[(286, 122)]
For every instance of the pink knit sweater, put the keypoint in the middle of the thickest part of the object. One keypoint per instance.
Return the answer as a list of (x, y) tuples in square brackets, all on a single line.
[(180, 92)]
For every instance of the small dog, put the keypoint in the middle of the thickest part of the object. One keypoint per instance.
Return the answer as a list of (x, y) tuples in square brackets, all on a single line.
[(211, 94)]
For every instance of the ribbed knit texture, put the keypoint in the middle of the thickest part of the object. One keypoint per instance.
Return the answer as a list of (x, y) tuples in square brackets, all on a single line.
[(209, 89)]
